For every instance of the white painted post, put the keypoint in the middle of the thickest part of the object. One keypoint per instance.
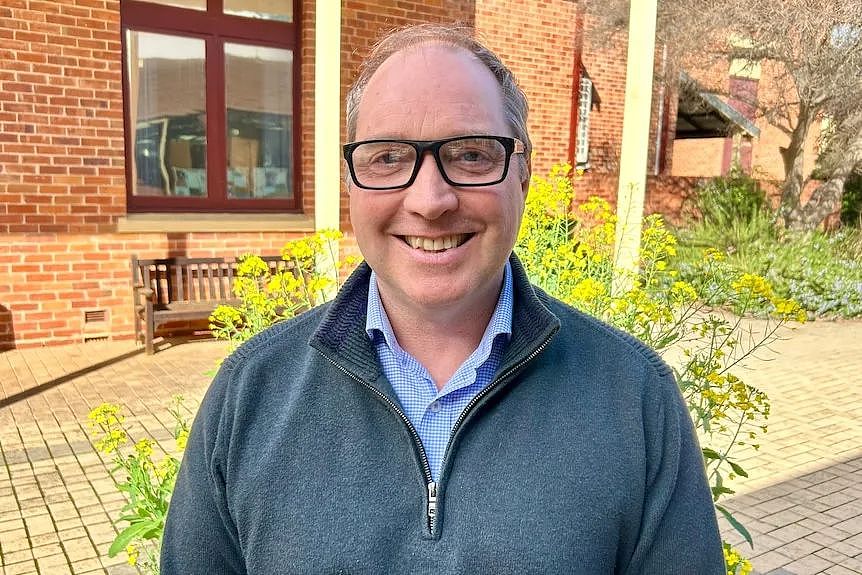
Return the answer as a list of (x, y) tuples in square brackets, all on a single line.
[(327, 124), (635, 142), (327, 116)]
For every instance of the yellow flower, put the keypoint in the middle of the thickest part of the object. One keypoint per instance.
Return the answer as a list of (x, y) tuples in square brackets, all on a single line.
[(251, 266), (587, 290), (682, 293), (107, 415), (144, 448), (790, 310), (330, 234), (167, 467), (713, 255), (132, 552), (754, 284), (182, 439), (111, 441)]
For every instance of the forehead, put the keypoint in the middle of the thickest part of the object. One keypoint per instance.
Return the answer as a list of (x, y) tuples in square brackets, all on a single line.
[(431, 91)]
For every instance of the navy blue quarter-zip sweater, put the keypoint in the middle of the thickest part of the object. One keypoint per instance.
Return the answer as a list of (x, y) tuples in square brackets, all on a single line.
[(579, 457)]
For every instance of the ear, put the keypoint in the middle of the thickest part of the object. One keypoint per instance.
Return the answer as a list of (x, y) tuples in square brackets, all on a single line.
[(528, 171)]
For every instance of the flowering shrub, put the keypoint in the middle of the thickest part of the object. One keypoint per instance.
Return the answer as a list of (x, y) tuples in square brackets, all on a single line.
[(146, 483), (266, 297), (570, 254), (822, 270)]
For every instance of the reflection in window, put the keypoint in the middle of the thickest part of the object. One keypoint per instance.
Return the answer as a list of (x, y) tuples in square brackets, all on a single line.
[(281, 10), (193, 4), (259, 97), (166, 75)]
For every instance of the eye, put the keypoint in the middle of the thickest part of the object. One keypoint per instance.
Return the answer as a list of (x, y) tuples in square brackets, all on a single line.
[(389, 157), (383, 156), (473, 154)]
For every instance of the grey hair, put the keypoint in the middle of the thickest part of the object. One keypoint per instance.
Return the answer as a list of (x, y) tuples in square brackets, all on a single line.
[(459, 36)]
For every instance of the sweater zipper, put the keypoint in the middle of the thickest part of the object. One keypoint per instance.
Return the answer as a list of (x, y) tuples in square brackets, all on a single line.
[(431, 494), (488, 389), (431, 507)]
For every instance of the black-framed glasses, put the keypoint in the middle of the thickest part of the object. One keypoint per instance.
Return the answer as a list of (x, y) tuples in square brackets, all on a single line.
[(463, 161)]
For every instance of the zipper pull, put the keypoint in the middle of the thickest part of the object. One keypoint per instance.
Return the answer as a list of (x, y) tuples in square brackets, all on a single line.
[(432, 504)]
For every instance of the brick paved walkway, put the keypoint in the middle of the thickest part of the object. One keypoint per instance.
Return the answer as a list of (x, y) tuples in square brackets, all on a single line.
[(802, 503)]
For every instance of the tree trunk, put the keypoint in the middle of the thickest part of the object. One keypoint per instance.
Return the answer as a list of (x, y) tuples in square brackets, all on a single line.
[(790, 209), (827, 197)]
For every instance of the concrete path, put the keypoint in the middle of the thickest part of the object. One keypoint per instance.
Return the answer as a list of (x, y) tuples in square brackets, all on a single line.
[(802, 502)]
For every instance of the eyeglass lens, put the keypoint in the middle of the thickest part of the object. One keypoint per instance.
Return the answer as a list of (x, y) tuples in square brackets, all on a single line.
[(470, 161)]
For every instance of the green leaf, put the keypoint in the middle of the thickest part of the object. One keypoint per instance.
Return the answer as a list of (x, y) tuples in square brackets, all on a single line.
[(126, 536), (709, 453), (720, 490), (738, 469), (740, 528)]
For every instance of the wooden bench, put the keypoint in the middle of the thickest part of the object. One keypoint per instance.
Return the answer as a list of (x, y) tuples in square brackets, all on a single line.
[(182, 289)]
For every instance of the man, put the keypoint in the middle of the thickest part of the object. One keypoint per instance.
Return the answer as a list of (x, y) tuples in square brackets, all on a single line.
[(441, 415)]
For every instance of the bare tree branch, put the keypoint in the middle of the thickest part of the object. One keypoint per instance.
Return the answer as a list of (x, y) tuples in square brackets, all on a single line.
[(812, 51)]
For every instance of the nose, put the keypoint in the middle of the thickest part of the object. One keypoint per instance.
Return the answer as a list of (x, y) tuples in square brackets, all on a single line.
[(430, 196)]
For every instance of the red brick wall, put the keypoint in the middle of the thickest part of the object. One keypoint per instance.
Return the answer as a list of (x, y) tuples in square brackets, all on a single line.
[(61, 142), (698, 157), (536, 39), (665, 194), (62, 178), (604, 58)]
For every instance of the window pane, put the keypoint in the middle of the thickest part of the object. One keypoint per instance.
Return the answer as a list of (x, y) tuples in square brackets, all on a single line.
[(167, 104), (193, 4), (281, 10), (259, 97)]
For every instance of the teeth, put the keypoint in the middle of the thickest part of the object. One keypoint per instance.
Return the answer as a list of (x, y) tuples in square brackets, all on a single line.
[(435, 245)]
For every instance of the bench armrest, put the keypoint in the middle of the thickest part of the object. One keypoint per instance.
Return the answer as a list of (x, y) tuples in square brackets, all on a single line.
[(145, 291)]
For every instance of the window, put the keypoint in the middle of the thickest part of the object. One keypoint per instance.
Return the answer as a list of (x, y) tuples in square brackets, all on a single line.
[(211, 106)]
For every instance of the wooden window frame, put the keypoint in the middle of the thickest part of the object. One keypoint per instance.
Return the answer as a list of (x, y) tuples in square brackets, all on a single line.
[(215, 28)]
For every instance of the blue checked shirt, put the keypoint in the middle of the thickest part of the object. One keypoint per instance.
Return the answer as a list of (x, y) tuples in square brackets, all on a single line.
[(434, 413)]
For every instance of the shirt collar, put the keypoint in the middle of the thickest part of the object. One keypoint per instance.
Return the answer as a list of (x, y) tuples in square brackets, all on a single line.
[(500, 323)]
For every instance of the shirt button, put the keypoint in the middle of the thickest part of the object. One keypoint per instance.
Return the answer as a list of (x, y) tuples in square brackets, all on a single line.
[(435, 407)]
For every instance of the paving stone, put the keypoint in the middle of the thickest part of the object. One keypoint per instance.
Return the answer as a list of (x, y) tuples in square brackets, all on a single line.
[(800, 548), (852, 525), (846, 511), (39, 525), (770, 560), (79, 549), (836, 557), (86, 566), (794, 514), (12, 557), (809, 565), (25, 568), (790, 532), (839, 570)]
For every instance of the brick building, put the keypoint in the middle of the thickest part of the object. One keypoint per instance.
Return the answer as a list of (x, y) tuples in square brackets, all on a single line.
[(163, 128)]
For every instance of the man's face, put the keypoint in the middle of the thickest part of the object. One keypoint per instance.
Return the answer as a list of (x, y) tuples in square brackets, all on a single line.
[(433, 92)]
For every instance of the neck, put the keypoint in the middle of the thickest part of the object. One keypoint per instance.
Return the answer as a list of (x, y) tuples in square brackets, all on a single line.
[(440, 338)]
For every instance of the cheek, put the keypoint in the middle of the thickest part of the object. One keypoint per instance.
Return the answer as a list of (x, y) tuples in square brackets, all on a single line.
[(361, 211), (513, 214)]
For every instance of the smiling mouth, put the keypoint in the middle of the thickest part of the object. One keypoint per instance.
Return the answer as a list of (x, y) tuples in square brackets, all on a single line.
[(436, 244)]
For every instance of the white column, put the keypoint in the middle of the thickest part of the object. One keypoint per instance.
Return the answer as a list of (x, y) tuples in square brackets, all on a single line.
[(327, 116), (635, 143)]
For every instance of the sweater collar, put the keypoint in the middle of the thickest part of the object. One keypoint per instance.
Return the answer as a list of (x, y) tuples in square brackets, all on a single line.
[(341, 335)]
